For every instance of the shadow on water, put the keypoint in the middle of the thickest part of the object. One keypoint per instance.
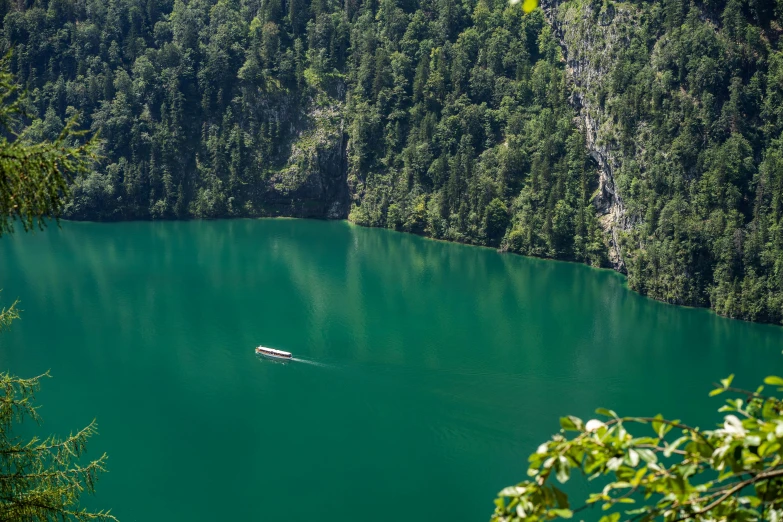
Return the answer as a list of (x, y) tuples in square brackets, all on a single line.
[(273, 360)]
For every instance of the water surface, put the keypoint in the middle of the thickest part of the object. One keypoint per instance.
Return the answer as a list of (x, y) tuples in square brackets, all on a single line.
[(428, 371)]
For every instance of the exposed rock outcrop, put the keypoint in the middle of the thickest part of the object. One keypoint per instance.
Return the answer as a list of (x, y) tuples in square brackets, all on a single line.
[(590, 41), (313, 183)]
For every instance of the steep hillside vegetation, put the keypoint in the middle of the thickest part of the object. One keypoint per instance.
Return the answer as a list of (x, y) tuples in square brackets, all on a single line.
[(645, 135), (683, 108), (436, 117)]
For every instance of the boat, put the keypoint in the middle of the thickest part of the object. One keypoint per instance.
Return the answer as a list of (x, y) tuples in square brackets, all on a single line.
[(271, 352)]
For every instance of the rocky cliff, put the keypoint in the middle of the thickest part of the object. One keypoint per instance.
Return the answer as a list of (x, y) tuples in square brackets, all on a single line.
[(680, 107), (590, 38), (313, 183)]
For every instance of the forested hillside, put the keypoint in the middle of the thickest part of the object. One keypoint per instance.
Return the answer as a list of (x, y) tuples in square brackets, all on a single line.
[(683, 105), (645, 135)]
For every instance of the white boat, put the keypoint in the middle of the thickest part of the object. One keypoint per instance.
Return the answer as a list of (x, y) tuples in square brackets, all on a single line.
[(271, 352)]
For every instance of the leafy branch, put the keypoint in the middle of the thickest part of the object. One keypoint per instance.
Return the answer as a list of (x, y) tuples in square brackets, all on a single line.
[(674, 472)]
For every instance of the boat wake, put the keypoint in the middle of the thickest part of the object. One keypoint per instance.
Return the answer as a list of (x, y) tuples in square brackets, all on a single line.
[(313, 363)]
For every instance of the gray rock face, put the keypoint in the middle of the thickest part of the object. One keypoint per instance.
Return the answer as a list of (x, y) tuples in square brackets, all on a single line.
[(590, 41), (314, 181)]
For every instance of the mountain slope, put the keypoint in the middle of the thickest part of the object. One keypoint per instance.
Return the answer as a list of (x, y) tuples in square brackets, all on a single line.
[(682, 109), (640, 135)]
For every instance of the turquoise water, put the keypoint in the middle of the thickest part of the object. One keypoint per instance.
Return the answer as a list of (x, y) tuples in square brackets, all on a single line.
[(426, 371)]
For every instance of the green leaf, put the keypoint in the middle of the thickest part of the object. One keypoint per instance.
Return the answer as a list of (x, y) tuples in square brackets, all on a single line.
[(749, 458), (753, 501), (633, 457), (567, 424), (644, 440), (774, 380), (661, 428), (647, 455), (657, 425), (561, 497), (512, 491), (562, 513), (594, 497), (606, 413), (638, 477), (726, 474), (686, 470), (727, 381), (614, 517), (717, 391)]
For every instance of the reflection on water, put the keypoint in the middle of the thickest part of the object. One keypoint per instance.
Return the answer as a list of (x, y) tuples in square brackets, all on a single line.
[(424, 372)]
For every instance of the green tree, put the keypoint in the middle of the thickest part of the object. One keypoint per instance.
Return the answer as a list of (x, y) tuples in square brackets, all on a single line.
[(34, 174), (497, 218), (39, 479), (652, 468)]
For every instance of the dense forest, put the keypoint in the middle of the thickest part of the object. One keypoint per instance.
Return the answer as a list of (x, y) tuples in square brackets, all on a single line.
[(690, 111), (466, 120)]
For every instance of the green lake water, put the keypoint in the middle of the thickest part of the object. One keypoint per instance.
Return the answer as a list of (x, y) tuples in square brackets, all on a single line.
[(427, 371)]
